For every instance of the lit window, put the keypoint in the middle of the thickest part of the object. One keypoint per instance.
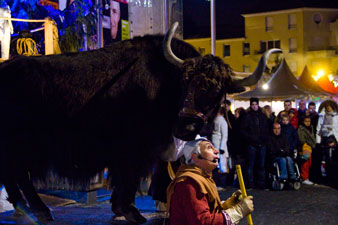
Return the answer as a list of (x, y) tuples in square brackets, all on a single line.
[(246, 48), (292, 21), (292, 45), (265, 45), (271, 44), (226, 50), (277, 44), (268, 23)]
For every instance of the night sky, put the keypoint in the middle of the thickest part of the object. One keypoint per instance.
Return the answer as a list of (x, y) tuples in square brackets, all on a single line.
[(229, 22)]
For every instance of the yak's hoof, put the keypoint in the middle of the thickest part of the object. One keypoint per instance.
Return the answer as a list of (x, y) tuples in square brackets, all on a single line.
[(44, 216), (19, 213), (21, 210), (131, 213)]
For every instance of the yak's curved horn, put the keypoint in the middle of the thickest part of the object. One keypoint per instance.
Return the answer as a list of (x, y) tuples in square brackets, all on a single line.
[(168, 53), (257, 74)]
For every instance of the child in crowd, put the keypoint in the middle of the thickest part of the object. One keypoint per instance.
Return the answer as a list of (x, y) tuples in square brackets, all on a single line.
[(290, 132), (292, 118), (280, 115), (307, 142)]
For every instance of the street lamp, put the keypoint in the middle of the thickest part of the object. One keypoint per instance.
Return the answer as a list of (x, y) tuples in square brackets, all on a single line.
[(319, 74), (265, 86)]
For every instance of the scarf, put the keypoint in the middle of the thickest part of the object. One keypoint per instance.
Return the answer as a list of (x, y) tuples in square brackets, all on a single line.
[(309, 128), (204, 180)]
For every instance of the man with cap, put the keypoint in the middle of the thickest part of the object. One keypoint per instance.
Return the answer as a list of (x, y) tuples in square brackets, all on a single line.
[(255, 130), (192, 197)]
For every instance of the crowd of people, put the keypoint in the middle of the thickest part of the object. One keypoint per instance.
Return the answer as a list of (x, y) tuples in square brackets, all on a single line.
[(256, 138), (253, 138)]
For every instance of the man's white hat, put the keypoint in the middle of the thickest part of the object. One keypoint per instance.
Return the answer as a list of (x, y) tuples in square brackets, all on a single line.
[(192, 147)]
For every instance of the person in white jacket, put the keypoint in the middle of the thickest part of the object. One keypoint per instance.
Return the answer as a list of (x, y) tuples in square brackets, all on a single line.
[(327, 132), (327, 122), (219, 139)]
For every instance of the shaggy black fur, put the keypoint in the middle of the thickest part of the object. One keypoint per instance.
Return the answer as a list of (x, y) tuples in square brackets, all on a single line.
[(115, 107)]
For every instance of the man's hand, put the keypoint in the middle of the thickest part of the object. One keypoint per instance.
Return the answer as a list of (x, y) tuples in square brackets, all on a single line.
[(233, 200), (246, 205), (240, 210)]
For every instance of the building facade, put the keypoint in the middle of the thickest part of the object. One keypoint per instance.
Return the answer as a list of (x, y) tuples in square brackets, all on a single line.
[(307, 36)]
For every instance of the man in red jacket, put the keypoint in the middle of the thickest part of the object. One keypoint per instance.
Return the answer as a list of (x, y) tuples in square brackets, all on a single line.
[(192, 197)]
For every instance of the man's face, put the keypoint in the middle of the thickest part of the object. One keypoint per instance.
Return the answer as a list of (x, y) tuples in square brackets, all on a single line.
[(312, 108), (254, 106), (114, 18), (276, 129), (209, 152), (307, 122), (287, 106), (302, 105), (285, 120)]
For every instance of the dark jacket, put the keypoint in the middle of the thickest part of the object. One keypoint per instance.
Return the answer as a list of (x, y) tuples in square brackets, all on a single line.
[(301, 115), (291, 134), (277, 146), (271, 121), (314, 121), (237, 143), (254, 128)]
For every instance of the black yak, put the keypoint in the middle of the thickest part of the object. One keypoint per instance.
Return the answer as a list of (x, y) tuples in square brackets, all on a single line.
[(115, 107)]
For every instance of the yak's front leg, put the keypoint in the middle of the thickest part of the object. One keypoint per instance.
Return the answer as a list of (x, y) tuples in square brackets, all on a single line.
[(123, 203), (15, 198), (39, 209)]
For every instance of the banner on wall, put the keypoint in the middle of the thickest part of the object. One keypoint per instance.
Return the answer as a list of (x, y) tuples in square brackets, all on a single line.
[(115, 21)]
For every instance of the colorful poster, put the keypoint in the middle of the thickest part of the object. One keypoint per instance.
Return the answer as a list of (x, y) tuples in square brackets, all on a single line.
[(115, 21)]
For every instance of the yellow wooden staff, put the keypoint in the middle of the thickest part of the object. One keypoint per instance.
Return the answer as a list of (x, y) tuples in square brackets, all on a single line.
[(242, 186)]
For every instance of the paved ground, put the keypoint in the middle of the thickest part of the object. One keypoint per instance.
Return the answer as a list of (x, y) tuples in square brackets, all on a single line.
[(311, 205)]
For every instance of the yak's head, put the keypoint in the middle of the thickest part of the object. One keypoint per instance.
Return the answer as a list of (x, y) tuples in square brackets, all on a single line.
[(206, 80)]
